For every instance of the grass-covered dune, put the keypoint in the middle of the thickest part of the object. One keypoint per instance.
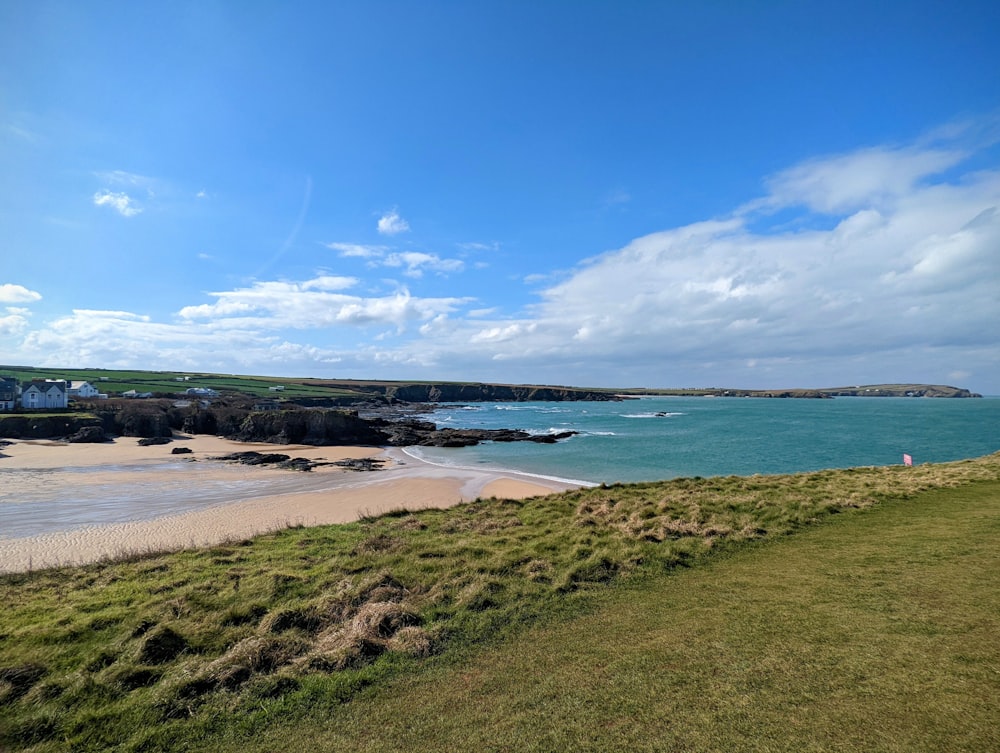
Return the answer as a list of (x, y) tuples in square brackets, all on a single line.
[(631, 622)]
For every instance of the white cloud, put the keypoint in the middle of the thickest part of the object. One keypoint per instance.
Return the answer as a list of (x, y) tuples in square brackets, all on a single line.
[(357, 249), (849, 182), (905, 283), (14, 322), (120, 202), (10, 293), (391, 223), (416, 263), (314, 304), (884, 268)]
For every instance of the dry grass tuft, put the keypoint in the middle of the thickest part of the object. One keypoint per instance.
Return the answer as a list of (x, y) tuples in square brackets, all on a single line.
[(411, 640), (251, 656), (291, 619)]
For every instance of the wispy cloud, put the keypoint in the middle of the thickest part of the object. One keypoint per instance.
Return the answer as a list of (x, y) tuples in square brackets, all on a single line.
[(616, 197), (125, 178), (357, 249), (848, 182), (119, 201), (416, 263), (22, 133), (494, 246), (391, 223)]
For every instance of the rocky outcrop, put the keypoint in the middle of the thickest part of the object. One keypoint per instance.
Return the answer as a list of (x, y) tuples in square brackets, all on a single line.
[(425, 434), (311, 427), (146, 419), (281, 460), (150, 441), (29, 426), (89, 435)]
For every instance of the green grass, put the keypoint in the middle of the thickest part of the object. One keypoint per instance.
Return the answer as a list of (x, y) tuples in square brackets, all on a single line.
[(874, 633), (114, 381), (542, 625)]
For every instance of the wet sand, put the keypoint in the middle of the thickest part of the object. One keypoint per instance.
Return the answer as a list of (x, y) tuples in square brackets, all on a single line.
[(231, 502)]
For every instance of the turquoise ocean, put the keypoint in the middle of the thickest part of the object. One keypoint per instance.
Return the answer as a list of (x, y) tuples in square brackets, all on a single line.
[(668, 437)]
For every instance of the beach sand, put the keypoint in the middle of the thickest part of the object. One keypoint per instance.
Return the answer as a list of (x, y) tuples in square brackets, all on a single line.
[(328, 494)]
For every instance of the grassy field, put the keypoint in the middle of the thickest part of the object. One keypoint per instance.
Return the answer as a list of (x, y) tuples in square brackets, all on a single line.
[(115, 382), (668, 616), (873, 633)]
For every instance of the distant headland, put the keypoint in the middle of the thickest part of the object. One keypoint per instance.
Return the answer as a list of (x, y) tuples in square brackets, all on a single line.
[(863, 390)]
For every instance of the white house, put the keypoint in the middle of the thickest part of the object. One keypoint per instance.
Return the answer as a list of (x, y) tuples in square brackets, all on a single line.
[(40, 394), (82, 389), (201, 392)]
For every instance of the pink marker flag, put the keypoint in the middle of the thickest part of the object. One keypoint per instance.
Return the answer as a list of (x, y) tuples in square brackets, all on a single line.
[(907, 460)]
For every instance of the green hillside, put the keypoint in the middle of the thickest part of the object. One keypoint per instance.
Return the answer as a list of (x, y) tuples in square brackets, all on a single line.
[(612, 618)]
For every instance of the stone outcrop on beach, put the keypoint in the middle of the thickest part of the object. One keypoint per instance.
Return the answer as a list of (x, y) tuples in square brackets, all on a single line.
[(88, 435), (312, 427), (30, 426)]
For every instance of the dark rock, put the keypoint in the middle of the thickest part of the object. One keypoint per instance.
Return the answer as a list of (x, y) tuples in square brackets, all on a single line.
[(148, 441), (88, 434), (299, 464), (254, 458), (361, 464), (426, 434), (180, 451)]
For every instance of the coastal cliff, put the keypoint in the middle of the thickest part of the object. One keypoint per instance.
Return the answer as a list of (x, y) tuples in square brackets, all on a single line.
[(470, 392)]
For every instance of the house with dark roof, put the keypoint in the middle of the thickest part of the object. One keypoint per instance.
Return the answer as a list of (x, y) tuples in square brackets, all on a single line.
[(40, 394), (8, 393)]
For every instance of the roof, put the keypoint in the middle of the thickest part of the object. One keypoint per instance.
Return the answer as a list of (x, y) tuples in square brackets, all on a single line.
[(44, 386)]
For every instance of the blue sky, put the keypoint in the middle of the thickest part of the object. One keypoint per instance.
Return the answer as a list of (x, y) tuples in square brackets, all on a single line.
[(776, 194)]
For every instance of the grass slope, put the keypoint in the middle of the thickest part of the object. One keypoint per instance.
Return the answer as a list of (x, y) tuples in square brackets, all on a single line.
[(875, 633), (214, 648)]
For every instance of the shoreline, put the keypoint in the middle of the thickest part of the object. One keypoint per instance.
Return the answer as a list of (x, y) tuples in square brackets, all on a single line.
[(326, 495)]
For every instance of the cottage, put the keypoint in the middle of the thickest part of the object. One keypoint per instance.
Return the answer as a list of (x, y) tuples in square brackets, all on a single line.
[(83, 389), (201, 392), (8, 393), (40, 394)]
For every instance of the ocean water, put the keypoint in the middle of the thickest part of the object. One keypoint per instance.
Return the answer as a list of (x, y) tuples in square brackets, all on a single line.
[(669, 437)]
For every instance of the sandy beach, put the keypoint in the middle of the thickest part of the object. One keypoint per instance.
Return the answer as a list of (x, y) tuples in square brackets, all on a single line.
[(52, 489)]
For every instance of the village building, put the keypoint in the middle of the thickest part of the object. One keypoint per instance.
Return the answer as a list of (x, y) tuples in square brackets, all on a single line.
[(9, 391), (201, 392), (41, 394), (82, 389)]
